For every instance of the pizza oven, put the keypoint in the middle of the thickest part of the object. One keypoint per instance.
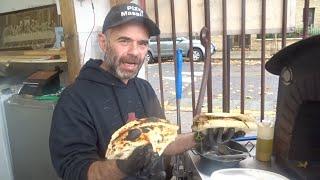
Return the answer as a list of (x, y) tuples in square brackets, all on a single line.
[(297, 127)]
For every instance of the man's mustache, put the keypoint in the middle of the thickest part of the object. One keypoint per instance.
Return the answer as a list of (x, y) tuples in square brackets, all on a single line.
[(130, 59)]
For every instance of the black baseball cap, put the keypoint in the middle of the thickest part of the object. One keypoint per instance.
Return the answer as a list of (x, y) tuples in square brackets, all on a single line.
[(125, 13)]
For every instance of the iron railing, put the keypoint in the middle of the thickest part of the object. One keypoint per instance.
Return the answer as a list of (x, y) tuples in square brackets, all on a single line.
[(205, 36)]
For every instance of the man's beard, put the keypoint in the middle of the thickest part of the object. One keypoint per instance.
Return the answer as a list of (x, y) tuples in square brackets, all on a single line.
[(113, 62)]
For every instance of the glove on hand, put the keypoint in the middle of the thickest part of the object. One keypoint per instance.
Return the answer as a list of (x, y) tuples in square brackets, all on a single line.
[(212, 137), (138, 160)]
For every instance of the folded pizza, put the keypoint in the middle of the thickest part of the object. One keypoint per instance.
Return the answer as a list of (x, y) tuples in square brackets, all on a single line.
[(157, 132), (225, 120)]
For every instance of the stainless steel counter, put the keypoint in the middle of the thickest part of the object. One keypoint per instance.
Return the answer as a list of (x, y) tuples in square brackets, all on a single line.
[(201, 168)]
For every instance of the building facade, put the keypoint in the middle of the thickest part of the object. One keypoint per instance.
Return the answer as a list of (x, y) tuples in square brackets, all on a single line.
[(273, 41)]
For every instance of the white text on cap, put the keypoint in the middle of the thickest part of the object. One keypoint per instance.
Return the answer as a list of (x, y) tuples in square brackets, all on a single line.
[(132, 11)]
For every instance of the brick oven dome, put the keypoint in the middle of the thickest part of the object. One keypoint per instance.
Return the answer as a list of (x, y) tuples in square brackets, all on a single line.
[(309, 47)]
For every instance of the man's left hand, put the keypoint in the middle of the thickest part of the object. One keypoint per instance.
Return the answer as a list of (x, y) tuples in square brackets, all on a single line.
[(210, 138)]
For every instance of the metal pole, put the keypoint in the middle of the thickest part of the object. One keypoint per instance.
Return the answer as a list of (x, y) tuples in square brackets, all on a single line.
[(224, 59), (284, 23), (208, 54), (159, 55), (205, 37), (263, 51), (191, 58), (179, 160), (174, 37), (305, 19), (243, 33), (228, 74)]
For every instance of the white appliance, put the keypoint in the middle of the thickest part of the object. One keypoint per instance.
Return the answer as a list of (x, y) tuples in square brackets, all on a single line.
[(5, 153), (29, 122)]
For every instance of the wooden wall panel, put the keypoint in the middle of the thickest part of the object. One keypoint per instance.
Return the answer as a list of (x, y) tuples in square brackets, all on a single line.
[(71, 39)]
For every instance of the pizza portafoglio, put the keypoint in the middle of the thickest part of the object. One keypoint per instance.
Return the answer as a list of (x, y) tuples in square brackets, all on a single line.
[(157, 132), (225, 120)]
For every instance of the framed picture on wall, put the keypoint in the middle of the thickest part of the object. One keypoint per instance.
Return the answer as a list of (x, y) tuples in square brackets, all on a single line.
[(28, 29)]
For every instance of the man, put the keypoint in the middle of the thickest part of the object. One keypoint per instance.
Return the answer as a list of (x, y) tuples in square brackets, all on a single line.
[(105, 96)]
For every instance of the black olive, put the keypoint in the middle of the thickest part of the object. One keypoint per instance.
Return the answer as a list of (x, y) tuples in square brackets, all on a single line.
[(133, 134)]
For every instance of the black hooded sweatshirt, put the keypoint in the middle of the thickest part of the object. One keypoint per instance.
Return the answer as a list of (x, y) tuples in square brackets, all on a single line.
[(89, 111)]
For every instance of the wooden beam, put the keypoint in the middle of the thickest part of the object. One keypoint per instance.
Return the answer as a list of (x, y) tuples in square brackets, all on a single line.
[(38, 52), (115, 2), (70, 38)]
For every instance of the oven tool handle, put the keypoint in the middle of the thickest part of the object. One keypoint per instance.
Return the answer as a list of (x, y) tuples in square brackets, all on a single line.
[(204, 38), (245, 138), (248, 139), (224, 148)]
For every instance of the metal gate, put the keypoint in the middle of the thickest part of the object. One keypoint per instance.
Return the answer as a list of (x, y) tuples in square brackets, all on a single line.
[(205, 37)]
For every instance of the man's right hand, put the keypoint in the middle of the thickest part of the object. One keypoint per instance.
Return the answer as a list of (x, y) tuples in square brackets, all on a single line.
[(139, 159)]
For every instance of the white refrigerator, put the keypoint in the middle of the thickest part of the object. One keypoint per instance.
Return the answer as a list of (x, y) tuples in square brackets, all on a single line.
[(5, 154), (29, 123)]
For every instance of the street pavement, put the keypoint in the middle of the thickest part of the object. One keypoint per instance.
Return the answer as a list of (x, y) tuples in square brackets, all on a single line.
[(252, 89)]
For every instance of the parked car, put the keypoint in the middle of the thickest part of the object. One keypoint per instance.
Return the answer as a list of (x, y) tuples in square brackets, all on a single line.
[(166, 48)]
